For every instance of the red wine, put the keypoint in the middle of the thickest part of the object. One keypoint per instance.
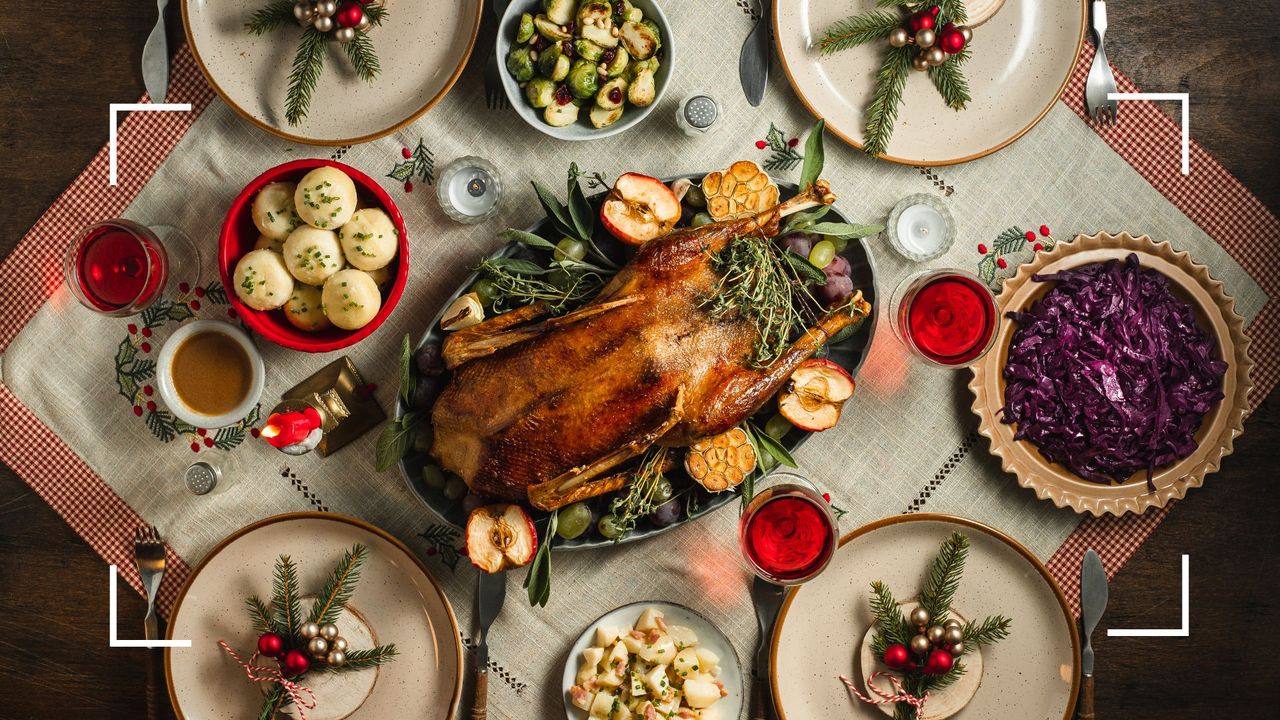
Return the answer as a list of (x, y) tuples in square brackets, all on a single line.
[(951, 319), (789, 537), (117, 267)]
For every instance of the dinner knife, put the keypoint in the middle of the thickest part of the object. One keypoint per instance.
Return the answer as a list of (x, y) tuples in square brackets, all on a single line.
[(491, 591), (155, 59), (767, 599), (753, 62), (1093, 602)]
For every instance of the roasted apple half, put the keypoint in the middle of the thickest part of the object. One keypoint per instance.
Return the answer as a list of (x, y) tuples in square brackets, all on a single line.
[(639, 208), (500, 537), (814, 395)]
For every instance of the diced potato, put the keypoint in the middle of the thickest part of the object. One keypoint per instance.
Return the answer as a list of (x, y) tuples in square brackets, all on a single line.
[(606, 635), (682, 636), (633, 643), (708, 662), (686, 662), (620, 712), (637, 685), (700, 691), (617, 652), (662, 651), (601, 706), (667, 706), (642, 707), (609, 679), (580, 697), (648, 619), (656, 680)]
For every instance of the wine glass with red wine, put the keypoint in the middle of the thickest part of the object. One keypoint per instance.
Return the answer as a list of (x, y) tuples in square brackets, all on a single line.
[(947, 318), (118, 267), (787, 531)]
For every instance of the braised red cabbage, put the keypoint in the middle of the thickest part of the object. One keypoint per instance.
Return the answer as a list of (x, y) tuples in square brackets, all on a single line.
[(1109, 374)]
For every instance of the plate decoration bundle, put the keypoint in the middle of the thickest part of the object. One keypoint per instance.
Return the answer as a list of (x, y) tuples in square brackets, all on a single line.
[(922, 36), (925, 647), (348, 22), (301, 644)]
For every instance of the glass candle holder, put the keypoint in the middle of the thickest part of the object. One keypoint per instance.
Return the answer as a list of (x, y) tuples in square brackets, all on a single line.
[(469, 189), (921, 227)]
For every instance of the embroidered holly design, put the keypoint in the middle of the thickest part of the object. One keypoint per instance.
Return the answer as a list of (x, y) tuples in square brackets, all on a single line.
[(419, 162), (782, 152), (136, 369), (1013, 241), (442, 542), (836, 509)]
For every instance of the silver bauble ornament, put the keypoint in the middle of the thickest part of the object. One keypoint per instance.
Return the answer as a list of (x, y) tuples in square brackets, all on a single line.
[(337, 658), (919, 62), (920, 618), (925, 37), (957, 649), (365, 23), (317, 646), (899, 37), (304, 12), (920, 645), (966, 32), (323, 24), (344, 35), (309, 630), (328, 631), (326, 8), (952, 635), (934, 633), (952, 622), (338, 644), (934, 56)]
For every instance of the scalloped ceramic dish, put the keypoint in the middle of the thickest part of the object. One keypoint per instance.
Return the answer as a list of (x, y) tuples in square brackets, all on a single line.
[(1216, 312)]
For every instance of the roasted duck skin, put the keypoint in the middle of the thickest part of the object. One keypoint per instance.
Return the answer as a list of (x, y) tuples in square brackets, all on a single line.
[(537, 409)]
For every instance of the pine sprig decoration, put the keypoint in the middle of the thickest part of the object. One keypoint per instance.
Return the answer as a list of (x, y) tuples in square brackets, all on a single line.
[(882, 113), (270, 17), (263, 622), (858, 30), (339, 587), (944, 577), (362, 56), (275, 701), (988, 632), (285, 601), (307, 65), (364, 659), (948, 78)]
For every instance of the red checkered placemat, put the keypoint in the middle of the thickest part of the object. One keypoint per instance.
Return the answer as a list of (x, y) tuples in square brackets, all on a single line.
[(1146, 138)]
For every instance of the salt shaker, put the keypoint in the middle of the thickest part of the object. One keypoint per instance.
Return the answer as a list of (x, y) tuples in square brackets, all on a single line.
[(697, 114)]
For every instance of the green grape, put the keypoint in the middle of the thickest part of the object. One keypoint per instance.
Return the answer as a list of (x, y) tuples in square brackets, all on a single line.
[(561, 278), (608, 527), (486, 291), (422, 438), (768, 462), (777, 426), (695, 197), (455, 487), (802, 225), (573, 521), (701, 219), (433, 477), (570, 249), (840, 243), (823, 253), (663, 492)]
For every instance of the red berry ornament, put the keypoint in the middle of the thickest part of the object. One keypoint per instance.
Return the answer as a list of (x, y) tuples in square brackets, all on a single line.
[(922, 20), (349, 15), (939, 662), (896, 657), (295, 663), (270, 644), (950, 39)]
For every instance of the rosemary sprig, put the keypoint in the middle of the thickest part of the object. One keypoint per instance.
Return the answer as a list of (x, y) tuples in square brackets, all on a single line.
[(641, 498), (307, 65), (520, 285), (339, 587), (272, 16)]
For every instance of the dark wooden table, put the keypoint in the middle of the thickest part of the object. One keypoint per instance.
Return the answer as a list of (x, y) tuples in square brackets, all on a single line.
[(63, 61)]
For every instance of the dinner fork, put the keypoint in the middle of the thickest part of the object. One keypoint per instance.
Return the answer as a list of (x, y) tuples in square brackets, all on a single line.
[(1101, 83), (495, 97), (148, 552)]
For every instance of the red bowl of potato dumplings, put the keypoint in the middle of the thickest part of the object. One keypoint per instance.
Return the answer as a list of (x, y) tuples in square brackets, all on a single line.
[(314, 255)]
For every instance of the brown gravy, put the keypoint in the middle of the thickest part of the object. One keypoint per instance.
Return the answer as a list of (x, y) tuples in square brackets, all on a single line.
[(211, 373)]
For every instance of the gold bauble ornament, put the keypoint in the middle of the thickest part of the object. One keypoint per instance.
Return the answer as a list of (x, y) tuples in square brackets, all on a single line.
[(326, 8), (934, 56), (365, 22), (317, 646), (323, 23), (344, 35), (956, 649), (925, 37), (920, 645), (899, 37), (304, 12), (920, 618), (337, 658), (952, 635), (966, 33), (328, 631), (919, 62), (952, 622), (934, 633), (309, 630), (339, 644)]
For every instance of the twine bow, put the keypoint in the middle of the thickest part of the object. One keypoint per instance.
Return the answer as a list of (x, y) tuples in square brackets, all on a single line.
[(898, 695), (262, 673)]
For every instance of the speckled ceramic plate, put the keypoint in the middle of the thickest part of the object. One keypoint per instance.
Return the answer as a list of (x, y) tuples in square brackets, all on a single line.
[(1225, 420), (1034, 673), (1022, 57), (396, 601), (422, 47)]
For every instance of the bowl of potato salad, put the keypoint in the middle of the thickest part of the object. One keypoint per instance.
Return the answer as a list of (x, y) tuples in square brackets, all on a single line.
[(653, 659)]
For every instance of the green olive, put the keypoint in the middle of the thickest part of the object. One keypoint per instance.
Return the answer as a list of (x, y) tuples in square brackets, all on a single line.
[(573, 520), (695, 197), (777, 427), (433, 477), (608, 527), (486, 291), (664, 491), (840, 243), (701, 219), (823, 252), (422, 438), (570, 249), (455, 487)]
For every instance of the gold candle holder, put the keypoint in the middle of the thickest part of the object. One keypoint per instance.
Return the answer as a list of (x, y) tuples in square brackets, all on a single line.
[(340, 395)]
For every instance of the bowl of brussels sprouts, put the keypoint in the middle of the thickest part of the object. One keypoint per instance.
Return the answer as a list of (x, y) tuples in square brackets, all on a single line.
[(584, 69)]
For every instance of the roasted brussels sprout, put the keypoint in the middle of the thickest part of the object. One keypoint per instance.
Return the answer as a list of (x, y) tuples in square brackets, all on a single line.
[(603, 117), (612, 94), (618, 64), (642, 89), (554, 64), (540, 91), (558, 115), (588, 50), (639, 39), (526, 29), (600, 35), (639, 66), (583, 81), (520, 63), (560, 11), (594, 12), (634, 14), (550, 30)]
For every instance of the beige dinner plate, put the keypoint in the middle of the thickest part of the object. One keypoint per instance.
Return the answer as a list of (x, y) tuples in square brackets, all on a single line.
[(422, 47), (1033, 674), (1022, 58), (1215, 310), (396, 601)]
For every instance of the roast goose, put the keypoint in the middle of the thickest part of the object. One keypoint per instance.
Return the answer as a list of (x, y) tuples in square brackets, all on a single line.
[(539, 409)]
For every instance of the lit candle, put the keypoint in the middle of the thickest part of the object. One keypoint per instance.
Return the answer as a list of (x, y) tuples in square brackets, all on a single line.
[(469, 189), (920, 227), (294, 433)]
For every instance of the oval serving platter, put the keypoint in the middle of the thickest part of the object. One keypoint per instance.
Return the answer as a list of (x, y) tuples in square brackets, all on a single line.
[(849, 353)]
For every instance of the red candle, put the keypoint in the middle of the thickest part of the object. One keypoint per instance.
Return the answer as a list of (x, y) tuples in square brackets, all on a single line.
[(290, 428)]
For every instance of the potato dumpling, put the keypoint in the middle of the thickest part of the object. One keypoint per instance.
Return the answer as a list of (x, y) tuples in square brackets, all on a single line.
[(273, 210), (262, 281), (268, 243), (369, 239), (325, 198), (312, 254), (304, 309), (351, 299), (382, 276)]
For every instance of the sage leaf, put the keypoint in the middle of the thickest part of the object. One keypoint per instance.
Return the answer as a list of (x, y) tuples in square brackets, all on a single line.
[(394, 440), (516, 265), (844, 230), (555, 211), (805, 270), (526, 238), (406, 370), (776, 449), (813, 157)]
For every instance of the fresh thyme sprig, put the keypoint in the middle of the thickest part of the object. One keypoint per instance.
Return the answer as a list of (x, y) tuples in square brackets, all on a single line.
[(519, 283), (642, 492)]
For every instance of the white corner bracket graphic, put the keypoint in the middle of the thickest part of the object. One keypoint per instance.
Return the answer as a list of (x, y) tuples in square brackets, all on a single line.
[(1185, 99), (133, 107), (111, 624), (1185, 630)]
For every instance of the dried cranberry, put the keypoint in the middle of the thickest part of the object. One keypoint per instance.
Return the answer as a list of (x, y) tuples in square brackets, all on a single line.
[(563, 96), (619, 8), (566, 49), (539, 43), (571, 27), (615, 96), (661, 54), (607, 57)]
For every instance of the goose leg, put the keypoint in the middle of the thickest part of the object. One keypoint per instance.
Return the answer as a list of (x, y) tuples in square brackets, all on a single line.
[(459, 350)]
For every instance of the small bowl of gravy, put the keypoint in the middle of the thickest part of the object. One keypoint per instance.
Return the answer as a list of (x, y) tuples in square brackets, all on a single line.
[(209, 374)]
